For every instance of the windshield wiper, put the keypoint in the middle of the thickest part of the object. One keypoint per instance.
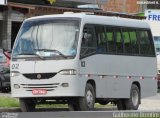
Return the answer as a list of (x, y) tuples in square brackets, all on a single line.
[(50, 50), (42, 58)]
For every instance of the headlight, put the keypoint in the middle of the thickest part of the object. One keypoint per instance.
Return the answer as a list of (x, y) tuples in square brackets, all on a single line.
[(68, 72), (14, 73)]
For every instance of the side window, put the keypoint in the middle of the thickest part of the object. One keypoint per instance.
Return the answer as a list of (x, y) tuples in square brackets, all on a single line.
[(156, 43), (152, 48), (111, 41), (145, 43), (127, 41), (101, 39), (88, 45), (119, 41), (134, 42)]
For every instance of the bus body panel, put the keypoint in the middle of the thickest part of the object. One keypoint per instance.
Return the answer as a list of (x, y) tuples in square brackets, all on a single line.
[(116, 71), (23, 66), (42, 66), (119, 65)]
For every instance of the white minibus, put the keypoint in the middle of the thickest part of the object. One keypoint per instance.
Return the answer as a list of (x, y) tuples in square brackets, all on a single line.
[(81, 59)]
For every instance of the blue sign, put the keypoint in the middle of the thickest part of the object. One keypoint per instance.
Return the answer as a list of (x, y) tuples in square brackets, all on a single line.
[(154, 17)]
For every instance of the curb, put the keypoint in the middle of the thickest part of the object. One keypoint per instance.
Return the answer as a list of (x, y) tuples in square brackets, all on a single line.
[(37, 109), (52, 109), (10, 110)]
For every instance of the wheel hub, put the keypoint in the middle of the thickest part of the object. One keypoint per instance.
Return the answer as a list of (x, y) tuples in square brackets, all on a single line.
[(89, 98), (135, 97)]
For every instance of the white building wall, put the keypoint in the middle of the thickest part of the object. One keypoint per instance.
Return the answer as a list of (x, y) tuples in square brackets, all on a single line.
[(153, 22), (155, 27)]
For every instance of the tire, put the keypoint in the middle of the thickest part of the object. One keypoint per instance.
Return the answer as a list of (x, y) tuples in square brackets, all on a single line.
[(133, 102), (121, 104), (87, 102), (27, 105), (73, 107)]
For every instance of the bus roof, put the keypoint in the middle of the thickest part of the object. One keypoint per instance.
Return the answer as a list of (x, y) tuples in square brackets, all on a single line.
[(97, 19)]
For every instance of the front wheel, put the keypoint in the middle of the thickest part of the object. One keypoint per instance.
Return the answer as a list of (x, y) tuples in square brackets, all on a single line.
[(27, 104), (87, 102)]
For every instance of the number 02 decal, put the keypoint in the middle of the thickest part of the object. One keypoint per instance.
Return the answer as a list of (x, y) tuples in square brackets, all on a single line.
[(15, 66)]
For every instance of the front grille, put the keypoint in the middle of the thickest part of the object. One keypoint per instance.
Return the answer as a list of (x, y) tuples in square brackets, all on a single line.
[(39, 75), (48, 87)]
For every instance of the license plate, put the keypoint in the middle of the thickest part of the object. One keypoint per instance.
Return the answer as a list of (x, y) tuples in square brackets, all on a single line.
[(39, 91)]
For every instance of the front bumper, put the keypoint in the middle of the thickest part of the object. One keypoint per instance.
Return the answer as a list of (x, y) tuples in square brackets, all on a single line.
[(53, 86)]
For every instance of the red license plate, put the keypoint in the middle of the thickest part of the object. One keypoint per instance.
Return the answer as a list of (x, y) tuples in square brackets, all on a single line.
[(39, 91)]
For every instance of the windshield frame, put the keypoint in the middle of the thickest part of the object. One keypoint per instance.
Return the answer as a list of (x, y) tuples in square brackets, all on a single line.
[(51, 20)]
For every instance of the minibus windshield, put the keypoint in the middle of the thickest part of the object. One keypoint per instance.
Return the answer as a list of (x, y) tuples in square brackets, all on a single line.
[(47, 39)]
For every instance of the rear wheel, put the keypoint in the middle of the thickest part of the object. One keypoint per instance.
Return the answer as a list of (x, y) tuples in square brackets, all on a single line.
[(133, 102), (73, 107), (27, 104), (121, 104), (87, 102)]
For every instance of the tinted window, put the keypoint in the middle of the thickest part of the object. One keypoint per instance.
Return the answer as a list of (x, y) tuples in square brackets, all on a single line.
[(111, 41), (145, 43), (127, 41), (134, 42), (119, 41), (101, 39), (157, 44), (88, 45)]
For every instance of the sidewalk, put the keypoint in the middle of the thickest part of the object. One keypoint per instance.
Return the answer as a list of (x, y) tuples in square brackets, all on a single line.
[(151, 103)]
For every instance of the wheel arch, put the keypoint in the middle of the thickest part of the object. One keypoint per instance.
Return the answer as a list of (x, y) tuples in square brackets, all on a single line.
[(92, 82)]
